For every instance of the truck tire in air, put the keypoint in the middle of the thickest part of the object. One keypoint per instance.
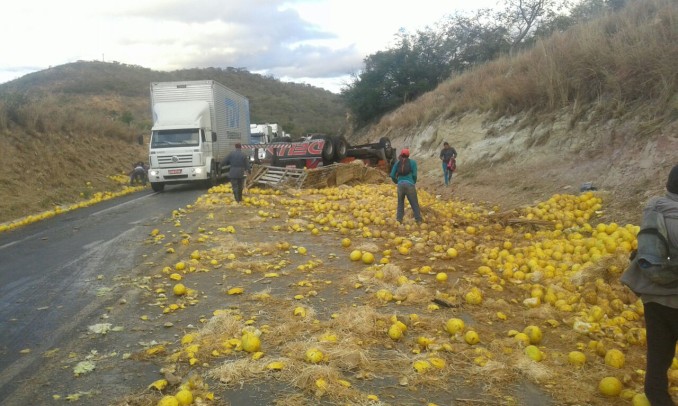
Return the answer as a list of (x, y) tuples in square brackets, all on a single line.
[(340, 147), (385, 143), (328, 148)]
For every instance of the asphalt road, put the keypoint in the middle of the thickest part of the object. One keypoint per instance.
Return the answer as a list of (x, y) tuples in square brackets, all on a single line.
[(49, 270)]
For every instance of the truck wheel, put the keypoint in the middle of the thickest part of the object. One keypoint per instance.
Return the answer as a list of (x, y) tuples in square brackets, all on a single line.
[(212, 179), (385, 143), (340, 147), (328, 148), (157, 186)]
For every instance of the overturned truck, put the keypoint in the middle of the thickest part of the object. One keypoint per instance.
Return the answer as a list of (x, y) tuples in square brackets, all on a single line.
[(285, 163), (321, 150)]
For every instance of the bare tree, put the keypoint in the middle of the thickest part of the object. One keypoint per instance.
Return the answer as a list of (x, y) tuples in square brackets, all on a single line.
[(523, 17)]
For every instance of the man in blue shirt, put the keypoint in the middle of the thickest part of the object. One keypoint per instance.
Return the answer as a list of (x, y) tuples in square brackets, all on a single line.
[(447, 154), (404, 174)]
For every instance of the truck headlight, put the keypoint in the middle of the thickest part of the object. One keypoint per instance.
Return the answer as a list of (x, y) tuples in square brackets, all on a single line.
[(198, 170), (154, 173)]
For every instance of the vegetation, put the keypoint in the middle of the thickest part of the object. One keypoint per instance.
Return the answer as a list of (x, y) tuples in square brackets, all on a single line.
[(113, 99), (622, 65), (419, 62), (64, 130)]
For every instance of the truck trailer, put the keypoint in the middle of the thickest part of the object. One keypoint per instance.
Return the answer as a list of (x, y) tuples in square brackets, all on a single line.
[(195, 125)]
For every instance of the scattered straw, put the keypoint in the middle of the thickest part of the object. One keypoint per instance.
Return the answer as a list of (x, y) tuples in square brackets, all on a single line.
[(225, 324), (231, 373), (535, 371), (414, 293), (360, 320)]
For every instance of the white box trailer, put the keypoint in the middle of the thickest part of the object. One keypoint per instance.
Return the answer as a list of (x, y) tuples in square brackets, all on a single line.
[(195, 125)]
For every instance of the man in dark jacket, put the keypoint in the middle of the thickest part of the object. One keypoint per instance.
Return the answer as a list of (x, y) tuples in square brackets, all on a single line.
[(660, 302), (661, 311), (239, 164)]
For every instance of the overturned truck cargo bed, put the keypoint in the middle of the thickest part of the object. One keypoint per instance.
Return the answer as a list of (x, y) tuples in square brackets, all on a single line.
[(325, 176), (322, 150)]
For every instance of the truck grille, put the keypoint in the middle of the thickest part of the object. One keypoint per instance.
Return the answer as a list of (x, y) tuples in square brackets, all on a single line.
[(185, 159)]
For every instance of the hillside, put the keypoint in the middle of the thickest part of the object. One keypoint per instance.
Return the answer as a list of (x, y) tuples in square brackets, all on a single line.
[(597, 103), (76, 123), (503, 163)]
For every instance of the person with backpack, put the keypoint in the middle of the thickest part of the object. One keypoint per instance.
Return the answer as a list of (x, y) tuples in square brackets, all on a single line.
[(449, 157), (404, 174), (653, 276)]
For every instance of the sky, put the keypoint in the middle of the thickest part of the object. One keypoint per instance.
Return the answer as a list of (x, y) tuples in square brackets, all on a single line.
[(317, 42)]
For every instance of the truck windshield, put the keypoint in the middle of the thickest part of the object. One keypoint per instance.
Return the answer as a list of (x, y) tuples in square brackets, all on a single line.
[(175, 138), (257, 138)]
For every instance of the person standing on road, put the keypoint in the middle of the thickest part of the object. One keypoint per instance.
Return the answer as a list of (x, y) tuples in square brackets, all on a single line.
[(239, 165), (446, 155), (660, 302), (404, 174)]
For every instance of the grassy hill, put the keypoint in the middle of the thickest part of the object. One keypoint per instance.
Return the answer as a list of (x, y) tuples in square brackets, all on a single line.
[(76, 123), (121, 92), (598, 102)]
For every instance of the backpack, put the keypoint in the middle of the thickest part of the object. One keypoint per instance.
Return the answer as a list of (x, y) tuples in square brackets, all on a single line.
[(404, 168), (452, 164), (654, 257)]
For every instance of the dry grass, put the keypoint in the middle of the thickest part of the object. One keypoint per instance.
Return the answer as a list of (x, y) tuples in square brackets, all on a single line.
[(55, 168), (620, 64)]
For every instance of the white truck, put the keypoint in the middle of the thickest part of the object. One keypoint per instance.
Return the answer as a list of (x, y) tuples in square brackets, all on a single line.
[(195, 125)]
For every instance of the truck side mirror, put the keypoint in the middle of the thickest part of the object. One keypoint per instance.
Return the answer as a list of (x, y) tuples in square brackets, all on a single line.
[(214, 136)]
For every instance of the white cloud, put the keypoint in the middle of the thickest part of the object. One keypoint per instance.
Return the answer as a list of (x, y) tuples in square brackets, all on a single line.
[(319, 42)]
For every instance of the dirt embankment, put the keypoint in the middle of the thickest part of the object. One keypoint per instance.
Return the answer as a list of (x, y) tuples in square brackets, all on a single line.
[(514, 161), (49, 170)]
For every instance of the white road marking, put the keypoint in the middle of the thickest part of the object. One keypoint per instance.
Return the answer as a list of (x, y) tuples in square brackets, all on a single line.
[(93, 214), (119, 205)]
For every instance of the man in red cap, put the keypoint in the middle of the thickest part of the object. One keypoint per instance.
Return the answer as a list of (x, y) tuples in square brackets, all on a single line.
[(404, 174)]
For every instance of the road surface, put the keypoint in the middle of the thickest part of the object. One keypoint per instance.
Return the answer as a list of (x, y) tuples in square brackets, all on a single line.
[(50, 274)]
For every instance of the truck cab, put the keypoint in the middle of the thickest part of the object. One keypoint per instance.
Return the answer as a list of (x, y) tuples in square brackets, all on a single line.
[(264, 134), (181, 144), (196, 124)]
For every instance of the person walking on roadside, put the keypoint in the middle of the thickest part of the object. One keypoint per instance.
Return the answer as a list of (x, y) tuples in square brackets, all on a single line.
[(660, 302), (448, 154), (404, 174), (239, 165)]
